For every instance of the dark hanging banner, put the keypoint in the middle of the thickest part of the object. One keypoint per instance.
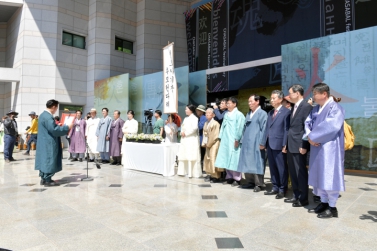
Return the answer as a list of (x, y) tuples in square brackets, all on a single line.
[(365, 14), (219, 56), (204, 57), (191, 24), (338, 16)]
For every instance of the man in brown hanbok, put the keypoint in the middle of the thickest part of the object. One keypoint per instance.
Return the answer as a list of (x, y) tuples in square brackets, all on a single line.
[(211, 130), (116, 136)]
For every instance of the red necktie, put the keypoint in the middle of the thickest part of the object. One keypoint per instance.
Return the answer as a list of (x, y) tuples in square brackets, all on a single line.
[(275, 112)]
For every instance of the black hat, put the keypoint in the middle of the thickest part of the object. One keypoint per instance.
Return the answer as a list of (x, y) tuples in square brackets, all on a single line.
[(12, 112)]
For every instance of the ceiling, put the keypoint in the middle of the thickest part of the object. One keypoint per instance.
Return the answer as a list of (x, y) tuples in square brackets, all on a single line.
[(6, 12)]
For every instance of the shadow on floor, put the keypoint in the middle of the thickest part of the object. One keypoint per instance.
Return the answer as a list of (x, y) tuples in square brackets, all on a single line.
[(372, 215)]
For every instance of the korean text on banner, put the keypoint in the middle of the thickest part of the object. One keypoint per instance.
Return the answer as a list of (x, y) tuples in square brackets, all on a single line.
[(170, 82)]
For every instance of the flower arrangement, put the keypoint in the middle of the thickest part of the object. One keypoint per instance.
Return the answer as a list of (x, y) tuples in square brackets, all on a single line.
[(131, 137), (145, 138)]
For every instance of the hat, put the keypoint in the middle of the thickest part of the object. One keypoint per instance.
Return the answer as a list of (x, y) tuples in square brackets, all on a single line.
[(12, 112), (201, 108), (32, 113)]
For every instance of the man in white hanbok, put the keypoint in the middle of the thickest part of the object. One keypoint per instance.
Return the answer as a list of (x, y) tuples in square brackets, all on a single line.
[(90, 134), (189, 152)]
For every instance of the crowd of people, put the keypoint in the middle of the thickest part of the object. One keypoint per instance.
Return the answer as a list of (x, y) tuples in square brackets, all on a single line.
[(219, 142), (241, 145)]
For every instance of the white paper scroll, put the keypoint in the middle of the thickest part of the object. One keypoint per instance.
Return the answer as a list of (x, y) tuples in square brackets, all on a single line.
[(169, 81)]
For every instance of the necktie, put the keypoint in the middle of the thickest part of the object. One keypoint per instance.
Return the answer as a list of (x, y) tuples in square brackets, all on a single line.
[(294, 111), (275, 112)]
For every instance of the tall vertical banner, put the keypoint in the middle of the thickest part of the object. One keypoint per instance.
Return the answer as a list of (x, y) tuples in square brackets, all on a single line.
[(169, 80), (337, 16), (219, 50), (190, 18), (204, 57)]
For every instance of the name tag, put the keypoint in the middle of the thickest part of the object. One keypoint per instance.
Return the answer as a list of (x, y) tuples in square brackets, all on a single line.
[(77, 128)]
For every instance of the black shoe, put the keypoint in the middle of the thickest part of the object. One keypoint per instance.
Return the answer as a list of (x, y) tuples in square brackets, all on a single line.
[(235, 183), (207, 178), (279, 196), (228, 182), (73, 160), (300, 204), (328, 213), (257, 189), (272, 192), (213, 180), (26, 153), (51, 184), (291, 200), (248, 186), (319, 209), (12, 159), (114, 163), (316, 199), (91, 160), (42, 182), (80, 159)]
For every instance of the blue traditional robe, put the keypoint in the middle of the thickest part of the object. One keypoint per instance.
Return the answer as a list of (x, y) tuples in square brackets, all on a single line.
[(102, 132), (251, 157), (48, 157), (231, 130), (326, 163)]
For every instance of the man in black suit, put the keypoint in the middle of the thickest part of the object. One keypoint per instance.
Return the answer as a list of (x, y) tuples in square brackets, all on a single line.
[(275, 140), (297, 147)]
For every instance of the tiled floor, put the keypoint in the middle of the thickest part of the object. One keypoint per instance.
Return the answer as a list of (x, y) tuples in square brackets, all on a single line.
[(131, 210)]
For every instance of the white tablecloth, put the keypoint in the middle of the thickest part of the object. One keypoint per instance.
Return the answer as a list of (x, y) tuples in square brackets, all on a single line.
[(153, 158)]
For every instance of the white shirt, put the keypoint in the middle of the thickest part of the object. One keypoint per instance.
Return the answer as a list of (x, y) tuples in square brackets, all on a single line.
[(321, 108), (252, 113), (298, 103)]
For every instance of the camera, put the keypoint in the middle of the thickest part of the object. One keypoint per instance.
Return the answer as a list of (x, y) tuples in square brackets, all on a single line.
[(148, 113)]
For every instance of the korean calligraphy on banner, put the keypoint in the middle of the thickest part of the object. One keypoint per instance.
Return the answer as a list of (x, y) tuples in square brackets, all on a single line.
[(169, 80)]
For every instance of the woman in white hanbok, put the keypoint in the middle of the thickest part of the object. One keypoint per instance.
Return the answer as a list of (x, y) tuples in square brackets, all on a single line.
[(189, 151), (130, 127), (171, 130)]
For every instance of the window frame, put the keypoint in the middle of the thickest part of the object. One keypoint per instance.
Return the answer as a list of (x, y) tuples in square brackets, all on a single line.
[(122, 40), (73, 36)]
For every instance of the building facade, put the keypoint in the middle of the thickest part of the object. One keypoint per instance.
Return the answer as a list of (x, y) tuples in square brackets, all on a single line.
[(58, 49)]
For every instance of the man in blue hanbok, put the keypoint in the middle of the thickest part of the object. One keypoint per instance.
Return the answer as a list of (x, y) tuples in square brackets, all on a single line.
[(102, 133), (252, 157), (325, 133), (48, 158), (230, 136)]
